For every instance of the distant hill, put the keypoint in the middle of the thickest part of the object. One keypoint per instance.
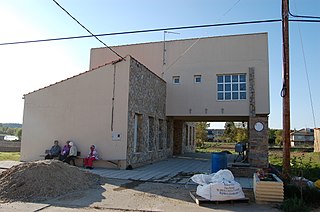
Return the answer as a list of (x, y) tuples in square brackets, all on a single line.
[(12, 125)]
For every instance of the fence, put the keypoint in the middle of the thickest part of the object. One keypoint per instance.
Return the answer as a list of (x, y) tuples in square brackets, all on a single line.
[(10, 146)]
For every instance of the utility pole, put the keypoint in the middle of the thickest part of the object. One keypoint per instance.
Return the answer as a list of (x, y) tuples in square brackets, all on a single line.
[(286, 90)]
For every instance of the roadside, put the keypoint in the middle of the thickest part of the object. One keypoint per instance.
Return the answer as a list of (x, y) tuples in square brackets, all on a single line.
[(126, 195), (156, 193)]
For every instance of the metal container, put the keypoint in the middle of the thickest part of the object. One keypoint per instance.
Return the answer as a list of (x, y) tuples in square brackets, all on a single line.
[(240, 147)]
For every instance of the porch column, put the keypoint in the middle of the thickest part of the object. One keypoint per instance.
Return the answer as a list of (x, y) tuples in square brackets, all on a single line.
[(258, 130), (258, 141), (177, 137)]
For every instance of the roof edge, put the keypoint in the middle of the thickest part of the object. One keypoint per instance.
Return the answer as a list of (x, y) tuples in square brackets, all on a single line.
[(95, 68)]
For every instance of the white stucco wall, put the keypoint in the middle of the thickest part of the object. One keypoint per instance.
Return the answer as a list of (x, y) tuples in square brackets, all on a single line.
[(79, 109), (207, 57)]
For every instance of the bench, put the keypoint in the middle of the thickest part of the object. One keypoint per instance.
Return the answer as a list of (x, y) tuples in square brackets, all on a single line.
[(73, 160), (46, 152)]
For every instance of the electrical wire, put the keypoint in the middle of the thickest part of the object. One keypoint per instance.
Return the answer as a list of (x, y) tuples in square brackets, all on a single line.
[(303, 20), (176, 60), (302, 16), (224, 14), (307, 74), (87, 29), (146, 31)]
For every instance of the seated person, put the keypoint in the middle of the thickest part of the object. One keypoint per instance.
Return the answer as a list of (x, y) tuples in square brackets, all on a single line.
[(72, 153), (54, 151), (92, 156), (65, 151)]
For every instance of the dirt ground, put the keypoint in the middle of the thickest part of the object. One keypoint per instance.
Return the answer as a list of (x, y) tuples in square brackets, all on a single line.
[(124, 195), (56, 186)]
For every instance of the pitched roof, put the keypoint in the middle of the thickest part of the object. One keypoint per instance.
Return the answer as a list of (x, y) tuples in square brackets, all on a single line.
[(109, 63)]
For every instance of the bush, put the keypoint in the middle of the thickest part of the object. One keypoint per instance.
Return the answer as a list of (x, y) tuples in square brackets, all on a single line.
[(310, 196), (294, 205)]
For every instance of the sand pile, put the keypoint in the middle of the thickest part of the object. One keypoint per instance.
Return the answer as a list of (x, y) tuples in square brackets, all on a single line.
[(40, 180)]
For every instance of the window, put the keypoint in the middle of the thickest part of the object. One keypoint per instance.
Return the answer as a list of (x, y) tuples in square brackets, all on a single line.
[(151, 134), (197, 78), (186, 135), (161, 134), (176, 79), (169, 128), (137, 132), (231, 87)]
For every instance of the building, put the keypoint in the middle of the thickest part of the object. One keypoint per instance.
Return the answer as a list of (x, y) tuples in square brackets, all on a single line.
[(215, 135), (302, 137), (140, 109)]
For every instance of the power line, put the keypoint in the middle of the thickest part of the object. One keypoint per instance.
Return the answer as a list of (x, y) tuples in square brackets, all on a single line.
[(87, 29), (306, 70), (303, 16), (144, 31), (156, 30), (303, 20), (224, 14)]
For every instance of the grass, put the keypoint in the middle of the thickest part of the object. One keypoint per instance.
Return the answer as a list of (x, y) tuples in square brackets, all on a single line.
[(10, 156), (305, 163), (209, 147), (275, 157)]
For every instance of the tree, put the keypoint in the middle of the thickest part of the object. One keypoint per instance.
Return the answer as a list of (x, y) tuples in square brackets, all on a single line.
[(11, 131), (279, 139), (201, 133), (230, 131), (241, 135), (272, 136), (19, 133)]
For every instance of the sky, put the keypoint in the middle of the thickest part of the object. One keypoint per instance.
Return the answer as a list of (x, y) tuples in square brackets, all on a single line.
[(28, 67)]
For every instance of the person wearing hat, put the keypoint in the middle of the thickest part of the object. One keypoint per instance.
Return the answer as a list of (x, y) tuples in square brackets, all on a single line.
[(72, 153), (92, 156)]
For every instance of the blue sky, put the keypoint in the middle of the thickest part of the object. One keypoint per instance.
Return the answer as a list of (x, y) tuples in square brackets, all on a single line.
[(27, 67)]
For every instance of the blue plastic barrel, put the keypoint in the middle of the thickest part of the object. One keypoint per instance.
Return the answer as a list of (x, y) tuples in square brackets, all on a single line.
[(218, 161)]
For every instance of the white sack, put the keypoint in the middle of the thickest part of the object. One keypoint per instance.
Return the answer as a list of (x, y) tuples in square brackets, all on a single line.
[(220, 186), (202, 179)]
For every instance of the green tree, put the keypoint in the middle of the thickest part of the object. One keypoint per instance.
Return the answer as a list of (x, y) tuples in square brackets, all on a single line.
[(230, 131), (19, 133), (279, 138), (11, 131), (241, 135), (272, 136), (201, 133), (4, 130)]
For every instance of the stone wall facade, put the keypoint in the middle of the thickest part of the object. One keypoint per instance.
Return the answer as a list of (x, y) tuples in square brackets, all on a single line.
[(149, 138), (184, 137), (258, 142), (177, 137), (258, 139), (188, 141)]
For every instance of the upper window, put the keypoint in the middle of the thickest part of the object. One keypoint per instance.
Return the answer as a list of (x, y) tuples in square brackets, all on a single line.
[(197, 79), (231, 87), (176, 79)]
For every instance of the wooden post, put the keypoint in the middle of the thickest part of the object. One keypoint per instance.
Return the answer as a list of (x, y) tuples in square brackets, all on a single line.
[(316, 140), (286, 90)]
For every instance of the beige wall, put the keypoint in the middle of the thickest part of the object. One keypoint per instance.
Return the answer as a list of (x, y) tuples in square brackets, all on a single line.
[(79, 109), (207, 57)]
